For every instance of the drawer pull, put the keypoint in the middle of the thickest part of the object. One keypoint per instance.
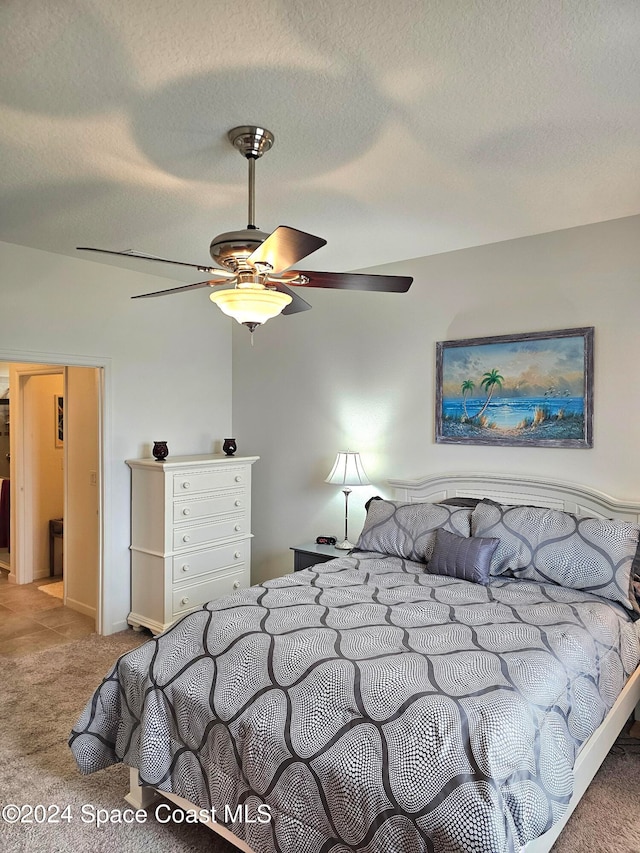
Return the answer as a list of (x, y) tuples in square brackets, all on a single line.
[(237, 555), (186, 511), (238, 528), (186, 485), (236, 584), (186, 538), (238, 502), (186, 567), (239, 478), (185, 600)]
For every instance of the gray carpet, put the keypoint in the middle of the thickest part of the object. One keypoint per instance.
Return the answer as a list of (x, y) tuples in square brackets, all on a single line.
[(40, 699), (42, 694)]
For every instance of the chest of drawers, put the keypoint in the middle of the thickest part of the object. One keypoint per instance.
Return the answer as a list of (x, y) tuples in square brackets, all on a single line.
[(190, 534)]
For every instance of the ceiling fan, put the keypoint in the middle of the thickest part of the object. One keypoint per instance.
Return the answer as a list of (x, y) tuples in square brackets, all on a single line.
[(254, 267)]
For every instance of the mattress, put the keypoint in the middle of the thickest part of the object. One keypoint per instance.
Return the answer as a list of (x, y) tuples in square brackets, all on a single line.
[(367, 705)]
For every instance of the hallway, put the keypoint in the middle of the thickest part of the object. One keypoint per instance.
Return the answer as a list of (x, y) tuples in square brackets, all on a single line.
[(32, 620)]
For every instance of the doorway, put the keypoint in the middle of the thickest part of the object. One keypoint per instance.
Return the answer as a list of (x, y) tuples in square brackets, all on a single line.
[(37, 469), (56, 479)]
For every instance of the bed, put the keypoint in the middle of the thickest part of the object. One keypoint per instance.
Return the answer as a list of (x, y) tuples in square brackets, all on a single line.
[(379, 703)]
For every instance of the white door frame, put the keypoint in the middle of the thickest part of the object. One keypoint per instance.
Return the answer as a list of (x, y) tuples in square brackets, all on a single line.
[(105, 456)]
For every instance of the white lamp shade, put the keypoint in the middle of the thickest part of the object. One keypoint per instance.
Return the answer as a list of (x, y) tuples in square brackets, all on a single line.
[(251, 304), (347, 470)]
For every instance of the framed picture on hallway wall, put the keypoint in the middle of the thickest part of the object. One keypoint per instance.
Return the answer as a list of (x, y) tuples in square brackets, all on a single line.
[(58, 402), (529, 390)]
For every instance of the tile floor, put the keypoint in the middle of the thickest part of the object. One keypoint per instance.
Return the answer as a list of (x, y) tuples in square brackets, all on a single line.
[(31, 620)]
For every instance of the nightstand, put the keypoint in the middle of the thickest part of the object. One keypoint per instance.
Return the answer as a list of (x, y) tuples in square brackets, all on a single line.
[(311, 554)]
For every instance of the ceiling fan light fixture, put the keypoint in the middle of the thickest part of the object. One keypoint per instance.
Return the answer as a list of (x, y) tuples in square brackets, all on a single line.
[(251, 306), (262, 264)]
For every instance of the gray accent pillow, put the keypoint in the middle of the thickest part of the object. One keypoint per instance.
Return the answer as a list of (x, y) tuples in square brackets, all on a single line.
[(550, 546), (409, 529), (460, 557)]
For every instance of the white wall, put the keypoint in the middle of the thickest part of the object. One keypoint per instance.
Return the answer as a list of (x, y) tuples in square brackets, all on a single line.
[(358, 372), (168, 368)]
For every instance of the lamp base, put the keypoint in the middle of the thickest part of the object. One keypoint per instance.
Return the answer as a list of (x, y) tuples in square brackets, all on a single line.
[(345, 545)]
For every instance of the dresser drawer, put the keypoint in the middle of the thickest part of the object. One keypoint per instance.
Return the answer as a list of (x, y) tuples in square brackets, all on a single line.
[(213, 559), (208, 481), (188, 597), (191, 537), (203, 507)]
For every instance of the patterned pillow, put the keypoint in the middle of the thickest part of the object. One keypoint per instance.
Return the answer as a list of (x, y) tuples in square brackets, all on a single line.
[(462, 557), (549, 546), (409, 529)]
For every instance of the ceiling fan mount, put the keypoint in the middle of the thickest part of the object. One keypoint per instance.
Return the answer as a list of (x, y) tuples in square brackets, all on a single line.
[(255, 267), (251, 141)]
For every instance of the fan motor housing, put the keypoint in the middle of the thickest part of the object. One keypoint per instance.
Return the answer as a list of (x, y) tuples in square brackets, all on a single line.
[(231, 249)]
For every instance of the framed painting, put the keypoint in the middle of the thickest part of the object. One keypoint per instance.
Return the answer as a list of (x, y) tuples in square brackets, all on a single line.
[(528, 390), (58, 405)]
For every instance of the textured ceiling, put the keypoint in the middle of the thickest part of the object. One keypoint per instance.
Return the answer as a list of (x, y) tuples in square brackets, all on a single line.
[(402, 128)]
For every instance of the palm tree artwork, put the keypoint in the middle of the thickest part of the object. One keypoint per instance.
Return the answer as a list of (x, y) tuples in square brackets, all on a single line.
[(490, 381), (532, 389), (467, 387)]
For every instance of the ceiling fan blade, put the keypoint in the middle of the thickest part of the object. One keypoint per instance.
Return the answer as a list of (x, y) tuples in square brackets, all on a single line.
[(211, 283), (354, 281), (140, 256), (284, 247), (297, 303)]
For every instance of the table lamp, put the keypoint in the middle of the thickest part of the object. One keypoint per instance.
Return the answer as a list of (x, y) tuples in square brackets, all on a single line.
[(347, 471)]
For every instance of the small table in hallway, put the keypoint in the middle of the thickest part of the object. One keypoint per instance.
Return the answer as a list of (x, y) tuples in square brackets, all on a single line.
[(56, 531)]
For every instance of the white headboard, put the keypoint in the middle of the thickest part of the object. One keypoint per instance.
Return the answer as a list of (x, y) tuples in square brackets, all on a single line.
[(517, 489)]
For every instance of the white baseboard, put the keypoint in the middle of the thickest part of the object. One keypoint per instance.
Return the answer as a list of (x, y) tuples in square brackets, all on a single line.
[(80, 607), (115, 627)]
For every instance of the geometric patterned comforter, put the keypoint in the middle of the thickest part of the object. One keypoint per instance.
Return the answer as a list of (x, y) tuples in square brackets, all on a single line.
[(371, 706)]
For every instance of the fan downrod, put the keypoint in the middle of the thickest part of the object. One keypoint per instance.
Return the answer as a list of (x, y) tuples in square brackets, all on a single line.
[(252, 142)]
